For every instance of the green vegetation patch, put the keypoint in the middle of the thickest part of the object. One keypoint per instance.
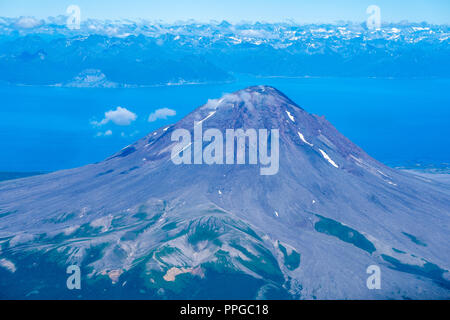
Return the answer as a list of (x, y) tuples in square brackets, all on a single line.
[(414, 239), (428, 270), (264, 263), (292, 260), (344, 233)]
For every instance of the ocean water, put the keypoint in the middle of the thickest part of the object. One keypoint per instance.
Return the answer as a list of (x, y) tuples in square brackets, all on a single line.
[(401, 122)]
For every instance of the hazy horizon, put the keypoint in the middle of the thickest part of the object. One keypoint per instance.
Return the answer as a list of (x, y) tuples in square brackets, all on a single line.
[(304, 12)]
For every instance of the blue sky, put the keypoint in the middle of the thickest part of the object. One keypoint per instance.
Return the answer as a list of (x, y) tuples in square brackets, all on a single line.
[(302, 11)]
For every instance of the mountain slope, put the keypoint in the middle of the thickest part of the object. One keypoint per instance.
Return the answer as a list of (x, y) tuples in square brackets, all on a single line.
[(142, 227)]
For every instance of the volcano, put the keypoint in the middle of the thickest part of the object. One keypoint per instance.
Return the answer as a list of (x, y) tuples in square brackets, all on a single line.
[(140, 226)]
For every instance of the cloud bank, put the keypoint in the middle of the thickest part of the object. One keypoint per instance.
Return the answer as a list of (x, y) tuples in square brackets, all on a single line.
[(28, 22)]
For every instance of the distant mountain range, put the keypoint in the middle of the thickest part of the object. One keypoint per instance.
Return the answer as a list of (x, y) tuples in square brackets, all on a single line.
[(129, 53), (140, 226)]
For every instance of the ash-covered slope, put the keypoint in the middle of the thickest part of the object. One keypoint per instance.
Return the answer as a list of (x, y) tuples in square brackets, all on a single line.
[(140, 226)]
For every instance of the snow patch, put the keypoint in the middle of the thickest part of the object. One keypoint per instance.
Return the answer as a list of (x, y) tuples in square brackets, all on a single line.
[(21, 238), (302, 137), (382, 173), (207, 117), (104, 223), (11, 267), (69, 230), (172, 157), (328, 158), (290, 116)]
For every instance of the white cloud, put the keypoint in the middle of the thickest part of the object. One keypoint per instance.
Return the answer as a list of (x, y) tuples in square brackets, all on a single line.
[(104, 134), (132, 134), (213, 103), (161, 114), (28, 22), (120, 116)]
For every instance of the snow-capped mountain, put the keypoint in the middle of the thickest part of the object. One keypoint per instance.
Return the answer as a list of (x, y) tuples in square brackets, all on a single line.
[(256, 33), (140, 226), (146, 53)]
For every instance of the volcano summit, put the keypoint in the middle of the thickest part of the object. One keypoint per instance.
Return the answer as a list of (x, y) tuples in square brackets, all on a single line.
[(142, 227)]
